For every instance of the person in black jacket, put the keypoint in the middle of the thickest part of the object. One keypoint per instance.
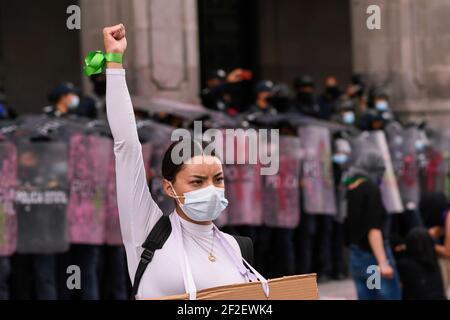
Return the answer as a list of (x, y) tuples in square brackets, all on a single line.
[(419, 270), (64, 99), (227, 92), (305, 101), (372, 264)]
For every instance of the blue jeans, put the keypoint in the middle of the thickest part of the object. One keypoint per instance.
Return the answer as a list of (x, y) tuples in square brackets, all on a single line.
[(5, 271), (360, 260)]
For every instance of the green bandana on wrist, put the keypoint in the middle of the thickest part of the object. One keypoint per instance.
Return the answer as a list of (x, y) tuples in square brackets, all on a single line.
[(95, 61)]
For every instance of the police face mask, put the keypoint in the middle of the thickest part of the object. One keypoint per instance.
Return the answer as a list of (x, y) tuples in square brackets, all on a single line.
[(382, 105), (74, 102), (420, 145), (340, 158), (333, 91), (305, 97), (348, 117), (204, 204)]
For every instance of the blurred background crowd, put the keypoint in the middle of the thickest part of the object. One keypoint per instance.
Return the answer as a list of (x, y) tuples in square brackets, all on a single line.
[(334, 89), (295, 239)]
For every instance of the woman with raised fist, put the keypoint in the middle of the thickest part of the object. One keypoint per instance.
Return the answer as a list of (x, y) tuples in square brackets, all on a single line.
[(188, 252)]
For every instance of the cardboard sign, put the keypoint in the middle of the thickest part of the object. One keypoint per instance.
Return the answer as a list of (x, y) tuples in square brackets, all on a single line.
[(299, 287)]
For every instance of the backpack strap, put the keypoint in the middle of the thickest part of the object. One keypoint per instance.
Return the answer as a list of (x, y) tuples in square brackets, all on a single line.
[(155, 240), (246, 246)]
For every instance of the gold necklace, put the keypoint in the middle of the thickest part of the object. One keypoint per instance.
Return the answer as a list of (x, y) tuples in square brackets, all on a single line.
[(211, 256)]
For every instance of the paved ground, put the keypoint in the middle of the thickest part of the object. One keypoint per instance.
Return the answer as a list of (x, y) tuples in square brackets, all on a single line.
[(341, 290), (337, 290)]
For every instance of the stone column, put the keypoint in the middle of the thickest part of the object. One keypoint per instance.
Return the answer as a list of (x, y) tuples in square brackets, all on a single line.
[(409, 55), (162, 58)]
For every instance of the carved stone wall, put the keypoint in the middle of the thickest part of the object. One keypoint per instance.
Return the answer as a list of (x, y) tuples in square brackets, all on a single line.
[(409, 55), (162, 56)]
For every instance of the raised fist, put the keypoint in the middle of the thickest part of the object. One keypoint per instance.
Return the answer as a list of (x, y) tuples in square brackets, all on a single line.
[(114, 39)]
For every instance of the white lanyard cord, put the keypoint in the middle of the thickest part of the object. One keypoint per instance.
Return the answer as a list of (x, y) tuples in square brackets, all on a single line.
[(237, 261), (188, 278)]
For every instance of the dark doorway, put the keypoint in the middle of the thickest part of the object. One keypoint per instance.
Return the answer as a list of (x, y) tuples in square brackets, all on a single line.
[(305, 37), (38, 51), (228, 35)]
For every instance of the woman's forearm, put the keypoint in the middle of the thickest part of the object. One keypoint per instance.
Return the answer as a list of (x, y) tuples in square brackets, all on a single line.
[(138, 212), (119, 109), (377, 245), (442, 251)]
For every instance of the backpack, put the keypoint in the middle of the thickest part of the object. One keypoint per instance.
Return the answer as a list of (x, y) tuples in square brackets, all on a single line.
[(159, 235)]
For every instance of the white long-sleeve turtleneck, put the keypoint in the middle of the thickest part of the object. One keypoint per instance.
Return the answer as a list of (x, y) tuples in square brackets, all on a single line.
[(138, 213)]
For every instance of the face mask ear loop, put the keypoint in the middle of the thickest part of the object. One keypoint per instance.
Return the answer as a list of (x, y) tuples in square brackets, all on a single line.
[(177, 197)]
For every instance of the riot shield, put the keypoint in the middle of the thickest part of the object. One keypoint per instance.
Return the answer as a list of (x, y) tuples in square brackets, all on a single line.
[(42, 197), (113, 234), (159, 136), (402, 146), (88, 165), (376, 140), (317, 171), (243, 182), (8, 218), (243, 189), (281, 196)]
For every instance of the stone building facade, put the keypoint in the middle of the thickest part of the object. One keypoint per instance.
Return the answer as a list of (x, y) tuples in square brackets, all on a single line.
[(172, 44)]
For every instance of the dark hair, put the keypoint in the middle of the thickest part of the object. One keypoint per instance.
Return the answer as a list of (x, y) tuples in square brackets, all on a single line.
[(169, 169), (420, 247), (431, 206)]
